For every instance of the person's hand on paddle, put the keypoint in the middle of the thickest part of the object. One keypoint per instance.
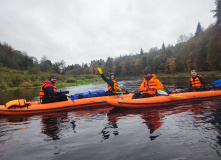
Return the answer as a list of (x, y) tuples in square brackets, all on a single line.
[(152, 87), (179, 90), (99, 70)]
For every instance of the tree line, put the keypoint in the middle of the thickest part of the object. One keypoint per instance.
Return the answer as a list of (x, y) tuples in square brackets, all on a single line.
[(201, 51), (15, 59)]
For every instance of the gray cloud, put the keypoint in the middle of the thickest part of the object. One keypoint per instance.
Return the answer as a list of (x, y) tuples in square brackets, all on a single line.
[(78, 31)]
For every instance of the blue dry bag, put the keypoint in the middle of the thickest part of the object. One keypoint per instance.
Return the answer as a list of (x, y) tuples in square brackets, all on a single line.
[(72, 97), (217, 83), (86, 94), (76, 96), (94, 93), (102, 92)]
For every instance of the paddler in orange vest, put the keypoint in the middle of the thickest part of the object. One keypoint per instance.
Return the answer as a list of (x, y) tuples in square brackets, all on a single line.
[(149, 86), (197, 83), (111, 83), (48, 91), (196, 80)]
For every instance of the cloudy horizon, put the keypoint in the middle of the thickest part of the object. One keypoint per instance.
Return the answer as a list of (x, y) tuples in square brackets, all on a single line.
[(78, 31)]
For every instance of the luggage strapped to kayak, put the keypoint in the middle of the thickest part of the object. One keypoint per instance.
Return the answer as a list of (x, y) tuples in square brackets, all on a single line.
[(17, 103)]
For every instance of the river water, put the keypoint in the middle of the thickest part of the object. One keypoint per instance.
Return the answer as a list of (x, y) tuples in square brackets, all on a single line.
[(176, 132)]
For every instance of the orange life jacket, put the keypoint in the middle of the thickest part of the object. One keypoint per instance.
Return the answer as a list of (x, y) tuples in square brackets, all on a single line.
[(45, 85), (152, 82), (115, 87), (196, 82)]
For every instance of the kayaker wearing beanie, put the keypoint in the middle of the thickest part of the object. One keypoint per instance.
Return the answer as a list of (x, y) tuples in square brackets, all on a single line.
[(149, 86), (48, 91), (111, 83)]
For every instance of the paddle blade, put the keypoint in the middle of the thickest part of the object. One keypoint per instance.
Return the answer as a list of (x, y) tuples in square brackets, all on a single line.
[(159, 92)]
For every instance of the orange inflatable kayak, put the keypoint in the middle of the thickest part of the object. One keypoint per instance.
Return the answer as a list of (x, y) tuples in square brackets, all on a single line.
[(128, 102), (20, 106)]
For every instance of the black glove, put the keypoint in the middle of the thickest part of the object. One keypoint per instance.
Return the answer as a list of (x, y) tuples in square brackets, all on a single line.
[(65, 92)]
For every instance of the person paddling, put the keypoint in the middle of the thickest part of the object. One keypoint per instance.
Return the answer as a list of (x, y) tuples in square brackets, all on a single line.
[(149, 86), (48, 92), (111, 83)]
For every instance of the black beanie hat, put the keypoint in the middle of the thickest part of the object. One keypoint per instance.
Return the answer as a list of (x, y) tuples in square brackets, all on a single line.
[(52, 76)]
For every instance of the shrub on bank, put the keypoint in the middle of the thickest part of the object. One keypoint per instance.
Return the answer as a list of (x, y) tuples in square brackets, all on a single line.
[(32, 71), (3, 86), (26, 84), (70, 81)]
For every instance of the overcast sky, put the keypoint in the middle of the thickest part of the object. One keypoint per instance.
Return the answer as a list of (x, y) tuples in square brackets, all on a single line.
[(78, 31)]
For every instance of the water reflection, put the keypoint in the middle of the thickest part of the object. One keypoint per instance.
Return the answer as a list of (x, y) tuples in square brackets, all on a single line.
[(51, 124), (154, 117), (73, 125), (11, 124), (27, 94), (203, 118)]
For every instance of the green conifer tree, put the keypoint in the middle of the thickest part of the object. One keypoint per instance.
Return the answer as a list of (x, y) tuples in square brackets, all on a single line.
[(198, 30)]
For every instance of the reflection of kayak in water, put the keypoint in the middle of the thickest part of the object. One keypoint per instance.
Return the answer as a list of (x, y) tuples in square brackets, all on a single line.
[(163, 100), (23, 107)]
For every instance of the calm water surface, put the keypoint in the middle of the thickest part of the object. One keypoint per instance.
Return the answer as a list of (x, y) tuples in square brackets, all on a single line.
[(176, 132)]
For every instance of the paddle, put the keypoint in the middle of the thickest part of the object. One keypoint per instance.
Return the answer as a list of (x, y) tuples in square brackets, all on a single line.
[(65, 92), (160, 92)]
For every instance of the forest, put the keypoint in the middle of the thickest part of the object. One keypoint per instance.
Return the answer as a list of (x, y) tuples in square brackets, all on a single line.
[(201, 51)]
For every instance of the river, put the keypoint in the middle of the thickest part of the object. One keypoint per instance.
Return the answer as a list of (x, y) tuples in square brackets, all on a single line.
[(176, 132)]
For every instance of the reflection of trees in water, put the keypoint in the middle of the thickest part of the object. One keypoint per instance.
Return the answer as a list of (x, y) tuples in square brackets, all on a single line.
[(11, 124), (27, 94), (51, 124)]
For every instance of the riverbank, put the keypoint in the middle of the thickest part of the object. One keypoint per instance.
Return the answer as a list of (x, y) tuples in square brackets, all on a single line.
[(15, 79), (186, 74)]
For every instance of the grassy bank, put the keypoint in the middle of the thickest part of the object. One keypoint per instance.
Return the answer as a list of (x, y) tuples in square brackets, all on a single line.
[(14, 79), (186, 74), (204, 74)]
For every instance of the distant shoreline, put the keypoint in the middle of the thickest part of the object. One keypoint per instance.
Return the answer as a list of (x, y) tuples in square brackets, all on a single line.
[(74, 80)]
